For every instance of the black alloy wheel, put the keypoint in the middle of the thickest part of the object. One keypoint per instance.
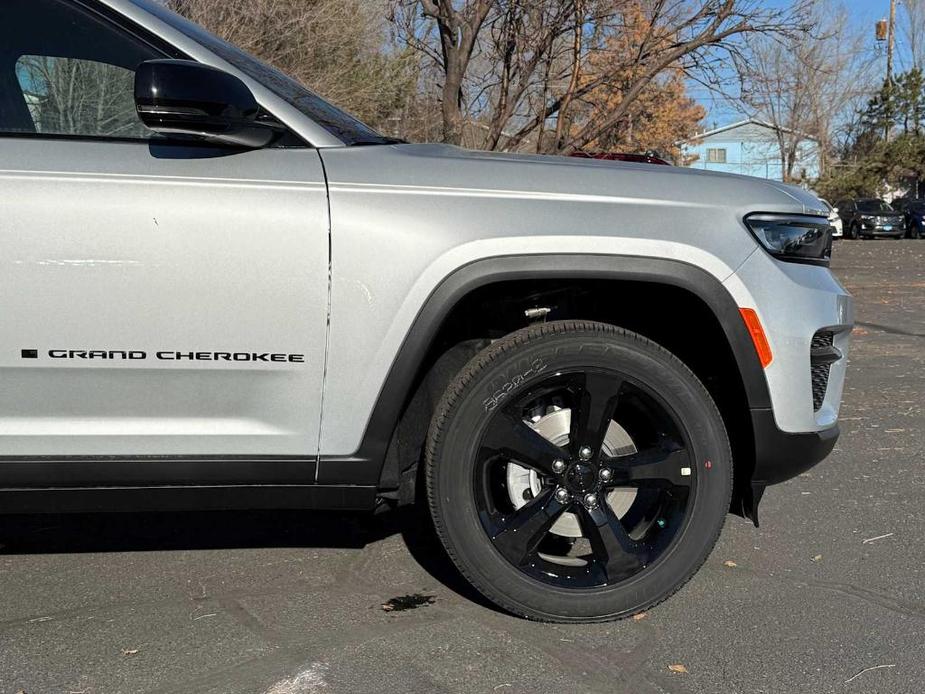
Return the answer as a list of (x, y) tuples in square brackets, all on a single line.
[(579, 477), (577, 472)]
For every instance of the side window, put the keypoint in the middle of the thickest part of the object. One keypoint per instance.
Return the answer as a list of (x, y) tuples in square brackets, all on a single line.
[(716, 155), (70, 96), (66, 71)]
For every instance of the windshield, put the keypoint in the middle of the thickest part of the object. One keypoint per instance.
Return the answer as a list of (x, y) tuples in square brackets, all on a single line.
[(339, 123), (873, 206)]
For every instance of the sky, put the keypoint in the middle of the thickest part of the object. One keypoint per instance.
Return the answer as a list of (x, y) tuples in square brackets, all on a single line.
[(863, 15)]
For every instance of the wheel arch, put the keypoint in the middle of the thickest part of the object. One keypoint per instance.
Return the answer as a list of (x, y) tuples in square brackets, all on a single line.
[(436, 347)]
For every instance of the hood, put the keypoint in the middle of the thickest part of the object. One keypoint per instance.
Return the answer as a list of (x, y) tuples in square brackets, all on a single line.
[(448, 166)]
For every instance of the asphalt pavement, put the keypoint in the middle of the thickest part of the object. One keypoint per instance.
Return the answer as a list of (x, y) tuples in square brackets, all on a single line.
[(828, 595)]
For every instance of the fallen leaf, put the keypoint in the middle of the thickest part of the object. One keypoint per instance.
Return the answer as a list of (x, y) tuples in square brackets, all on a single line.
[(818, 557), (639, 616), (129, 651), (730, 564), (677, 667)]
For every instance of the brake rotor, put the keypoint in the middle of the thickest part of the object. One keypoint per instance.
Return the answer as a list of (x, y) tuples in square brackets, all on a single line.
[(523, 483)]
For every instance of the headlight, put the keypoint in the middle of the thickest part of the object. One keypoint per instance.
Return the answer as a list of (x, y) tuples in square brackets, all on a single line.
[(795, 238)]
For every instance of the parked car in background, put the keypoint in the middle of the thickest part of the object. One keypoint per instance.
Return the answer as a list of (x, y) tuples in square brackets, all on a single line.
[(913, 210), (870, 218), (834, 219), (642, 158)]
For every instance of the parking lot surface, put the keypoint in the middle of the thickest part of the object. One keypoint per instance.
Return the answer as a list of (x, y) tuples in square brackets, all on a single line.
[(828, 595)]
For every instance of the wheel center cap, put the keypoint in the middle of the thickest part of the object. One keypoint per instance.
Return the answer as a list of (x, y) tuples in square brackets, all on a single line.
[(581, 477)]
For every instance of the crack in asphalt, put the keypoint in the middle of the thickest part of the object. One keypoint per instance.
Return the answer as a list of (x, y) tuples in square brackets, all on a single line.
[(900, 607), (869, 596), (888, 329)]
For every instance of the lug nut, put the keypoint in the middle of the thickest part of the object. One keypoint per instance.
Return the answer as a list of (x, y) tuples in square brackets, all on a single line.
[(561, 495), (558, 465), (590, 500), (606, 474), (585, 452)]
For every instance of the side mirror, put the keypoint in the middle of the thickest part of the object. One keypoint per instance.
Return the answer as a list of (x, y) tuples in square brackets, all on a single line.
[(182, 97)]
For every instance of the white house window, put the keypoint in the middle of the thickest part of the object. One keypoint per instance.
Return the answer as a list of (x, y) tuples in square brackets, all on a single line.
[(716, 155)]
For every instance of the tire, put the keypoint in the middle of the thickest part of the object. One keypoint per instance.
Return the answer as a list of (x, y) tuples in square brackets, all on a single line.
[(678, 480), (851, 232)]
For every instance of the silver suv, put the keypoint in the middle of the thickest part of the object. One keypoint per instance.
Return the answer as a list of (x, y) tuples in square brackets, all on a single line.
[(219, 291)]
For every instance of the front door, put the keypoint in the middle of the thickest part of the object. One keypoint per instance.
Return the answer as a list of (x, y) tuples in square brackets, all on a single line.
[(155, 299)]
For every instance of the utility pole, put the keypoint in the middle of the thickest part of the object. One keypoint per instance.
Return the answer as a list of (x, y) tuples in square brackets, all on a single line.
[(891, 31), (885, 31)]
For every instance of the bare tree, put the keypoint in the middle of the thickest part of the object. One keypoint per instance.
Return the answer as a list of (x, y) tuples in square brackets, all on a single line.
[(514, 66), (458, 30), (805, 84), (339, 48), (913, 30)]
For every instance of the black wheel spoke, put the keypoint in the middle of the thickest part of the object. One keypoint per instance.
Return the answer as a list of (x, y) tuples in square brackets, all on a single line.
[(614, 550), (518, 536), (530, 519), (658, 464), (511, 438), (596, 397)]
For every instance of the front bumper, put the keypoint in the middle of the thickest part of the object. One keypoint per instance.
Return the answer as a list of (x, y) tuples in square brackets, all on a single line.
[(896, 229), (780, 456), (807, 317)]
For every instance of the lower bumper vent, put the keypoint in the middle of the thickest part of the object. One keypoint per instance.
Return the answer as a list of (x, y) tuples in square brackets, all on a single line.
[(822, 355)]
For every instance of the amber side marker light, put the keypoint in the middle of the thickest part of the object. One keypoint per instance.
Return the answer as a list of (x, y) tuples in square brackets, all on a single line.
[(758, 337)]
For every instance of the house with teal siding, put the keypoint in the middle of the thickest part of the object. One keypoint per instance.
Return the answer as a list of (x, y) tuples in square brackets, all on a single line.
[(750, 147)]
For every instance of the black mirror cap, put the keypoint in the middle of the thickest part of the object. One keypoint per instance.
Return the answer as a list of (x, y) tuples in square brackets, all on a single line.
[(186, 98)]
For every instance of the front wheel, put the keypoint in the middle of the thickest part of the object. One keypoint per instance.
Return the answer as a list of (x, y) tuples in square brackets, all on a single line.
[(577, 472)]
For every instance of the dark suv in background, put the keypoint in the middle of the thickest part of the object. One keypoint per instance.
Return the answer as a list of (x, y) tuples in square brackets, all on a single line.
[(913, 210), (870, 218)]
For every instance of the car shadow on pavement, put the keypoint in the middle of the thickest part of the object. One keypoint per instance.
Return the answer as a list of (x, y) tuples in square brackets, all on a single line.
[(210, 530)]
